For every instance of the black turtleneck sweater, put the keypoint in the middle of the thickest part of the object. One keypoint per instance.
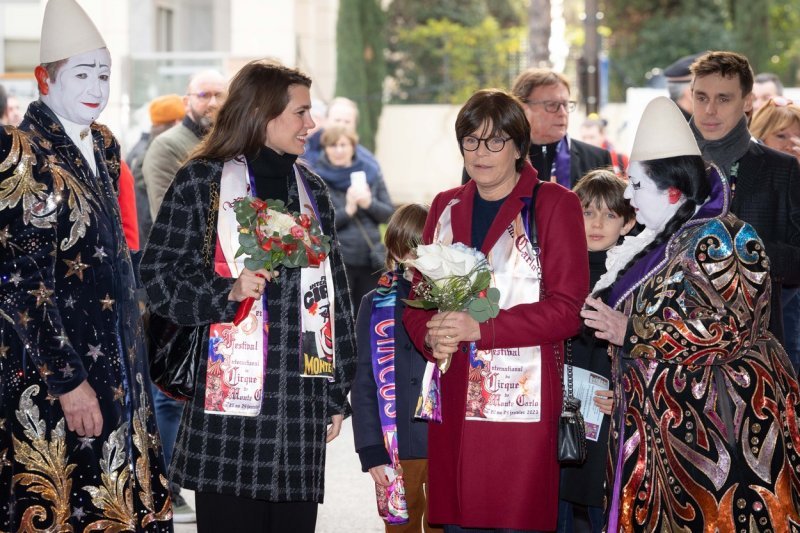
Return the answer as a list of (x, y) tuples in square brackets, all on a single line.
[(271, 172), (541, 161), (597, 266)]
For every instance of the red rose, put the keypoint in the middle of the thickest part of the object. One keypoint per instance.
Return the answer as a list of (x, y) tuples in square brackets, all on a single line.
[(305, 221)]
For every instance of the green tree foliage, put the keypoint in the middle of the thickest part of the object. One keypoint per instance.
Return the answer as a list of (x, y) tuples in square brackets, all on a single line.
[(442, 52), (647, 34), (360, 62)]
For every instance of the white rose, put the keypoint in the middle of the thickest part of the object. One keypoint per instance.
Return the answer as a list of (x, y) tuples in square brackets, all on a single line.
[(280, 223), (436, 261), (429, 261)]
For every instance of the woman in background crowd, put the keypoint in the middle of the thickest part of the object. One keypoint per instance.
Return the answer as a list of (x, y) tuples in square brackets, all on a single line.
[(361, 202)]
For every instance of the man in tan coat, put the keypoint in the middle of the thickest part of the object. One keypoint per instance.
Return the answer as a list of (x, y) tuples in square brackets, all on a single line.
[(204, 95)]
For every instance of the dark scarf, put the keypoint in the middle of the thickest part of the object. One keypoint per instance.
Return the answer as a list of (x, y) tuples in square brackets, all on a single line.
[(726, 151), (194, 127), (339, 177), (271, 171)]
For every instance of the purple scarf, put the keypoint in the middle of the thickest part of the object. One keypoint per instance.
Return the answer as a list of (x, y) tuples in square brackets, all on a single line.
[(392, 505), (561, 164)]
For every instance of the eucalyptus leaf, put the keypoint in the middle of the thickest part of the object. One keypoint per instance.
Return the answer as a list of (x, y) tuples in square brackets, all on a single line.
[(493, 294), (248, 241), (252, 264)]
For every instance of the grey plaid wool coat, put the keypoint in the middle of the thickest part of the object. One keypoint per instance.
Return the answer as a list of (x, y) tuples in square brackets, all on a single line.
[(278, 455)]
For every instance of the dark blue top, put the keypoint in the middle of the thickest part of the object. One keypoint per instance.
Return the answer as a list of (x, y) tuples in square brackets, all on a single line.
[(483, 213), (409, 366)]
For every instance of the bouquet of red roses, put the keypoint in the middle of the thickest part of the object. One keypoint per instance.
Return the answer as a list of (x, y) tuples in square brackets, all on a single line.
[(271, 236)]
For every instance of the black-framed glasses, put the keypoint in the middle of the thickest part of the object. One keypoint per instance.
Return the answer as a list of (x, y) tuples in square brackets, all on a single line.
[(552, 106), (207, 95), (493, 144)]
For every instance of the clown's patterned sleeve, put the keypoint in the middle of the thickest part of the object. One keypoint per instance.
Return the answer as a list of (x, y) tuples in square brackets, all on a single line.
[(708, 300), (30, 323)]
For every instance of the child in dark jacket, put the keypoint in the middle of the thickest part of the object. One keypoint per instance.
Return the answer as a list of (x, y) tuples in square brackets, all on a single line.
[(607, 217), (391, 443)]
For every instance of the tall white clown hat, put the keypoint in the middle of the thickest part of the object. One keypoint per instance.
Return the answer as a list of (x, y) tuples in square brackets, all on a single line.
[(67, 31), (663, 132)]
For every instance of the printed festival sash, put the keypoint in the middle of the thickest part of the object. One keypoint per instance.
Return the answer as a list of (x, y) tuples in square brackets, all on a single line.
[(505, 384), (237, 355)]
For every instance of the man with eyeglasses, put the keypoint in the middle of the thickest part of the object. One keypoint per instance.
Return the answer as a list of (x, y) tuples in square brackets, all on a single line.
[(204, 95), (163, 158), (555, 156), (765, 183)]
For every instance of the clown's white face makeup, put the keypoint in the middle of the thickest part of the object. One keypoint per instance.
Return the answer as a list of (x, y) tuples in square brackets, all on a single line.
[(653, 207), (81, 88)]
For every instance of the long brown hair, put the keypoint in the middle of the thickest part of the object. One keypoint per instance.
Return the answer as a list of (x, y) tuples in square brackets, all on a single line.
[(258, 93), (404, 232)]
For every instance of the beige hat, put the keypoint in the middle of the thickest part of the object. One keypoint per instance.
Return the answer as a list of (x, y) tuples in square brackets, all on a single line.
[(663, 132), (67, 31)]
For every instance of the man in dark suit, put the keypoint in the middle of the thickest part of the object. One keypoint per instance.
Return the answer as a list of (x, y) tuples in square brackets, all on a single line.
[(555, 156), (547, 105), (765, 183)]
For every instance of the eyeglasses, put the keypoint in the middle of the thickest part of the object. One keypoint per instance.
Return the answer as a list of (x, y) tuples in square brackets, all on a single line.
[(552, 106), (780, 101), (493, 144), (207, 95)]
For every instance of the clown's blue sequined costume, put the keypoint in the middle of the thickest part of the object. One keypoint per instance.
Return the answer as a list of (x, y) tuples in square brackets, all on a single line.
[(68, 313)]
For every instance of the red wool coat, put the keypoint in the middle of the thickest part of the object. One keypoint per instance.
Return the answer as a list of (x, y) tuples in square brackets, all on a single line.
[(505, 474)]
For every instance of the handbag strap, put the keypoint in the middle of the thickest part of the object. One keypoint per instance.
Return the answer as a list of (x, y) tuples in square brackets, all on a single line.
[(567, 359), (364, 233), (211, 225)]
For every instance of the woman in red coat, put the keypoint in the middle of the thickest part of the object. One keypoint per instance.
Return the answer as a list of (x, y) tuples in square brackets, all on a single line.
[(492, 459)]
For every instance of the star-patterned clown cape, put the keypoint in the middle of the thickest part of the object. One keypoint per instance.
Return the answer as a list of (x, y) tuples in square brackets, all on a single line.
[(68, 314)]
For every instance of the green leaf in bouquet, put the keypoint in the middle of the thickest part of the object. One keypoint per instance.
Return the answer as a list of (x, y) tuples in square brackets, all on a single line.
[(493, 295), (277, 205), (244, 211), (248, 241), (480, 309), (240, 251), (420, 304), (253, 264), (482, 280)]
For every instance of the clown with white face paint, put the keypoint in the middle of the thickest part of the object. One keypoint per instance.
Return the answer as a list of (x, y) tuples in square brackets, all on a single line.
[(79, 92), (654, 206), (685, 312), (80, 396)]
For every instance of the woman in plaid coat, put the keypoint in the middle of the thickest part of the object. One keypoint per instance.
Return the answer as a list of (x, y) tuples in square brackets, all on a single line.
[(254, 456)]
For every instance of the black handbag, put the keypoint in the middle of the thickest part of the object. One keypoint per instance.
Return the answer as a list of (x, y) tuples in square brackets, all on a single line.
[(571, 428), (176, 351)]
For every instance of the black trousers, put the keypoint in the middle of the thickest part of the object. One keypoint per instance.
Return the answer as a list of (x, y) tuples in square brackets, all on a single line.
[(225, 513)]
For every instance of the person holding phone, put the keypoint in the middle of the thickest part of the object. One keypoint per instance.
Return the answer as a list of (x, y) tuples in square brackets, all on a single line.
[(361, 202)]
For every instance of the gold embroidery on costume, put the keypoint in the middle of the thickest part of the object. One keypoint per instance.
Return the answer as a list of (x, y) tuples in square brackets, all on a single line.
[(38, 207), (115, 496), (47, 471), (78, 202), (143, 443)]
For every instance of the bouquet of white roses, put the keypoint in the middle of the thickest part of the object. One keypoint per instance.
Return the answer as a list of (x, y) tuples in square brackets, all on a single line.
[(455, 278)]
